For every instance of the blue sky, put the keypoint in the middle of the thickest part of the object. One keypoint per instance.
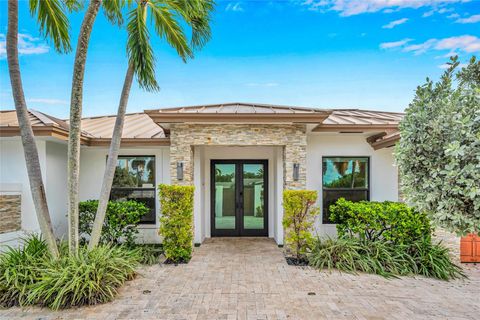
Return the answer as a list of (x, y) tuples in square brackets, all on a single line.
[(366, 54)]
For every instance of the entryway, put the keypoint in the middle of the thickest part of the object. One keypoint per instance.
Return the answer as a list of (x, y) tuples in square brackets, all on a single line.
[(239, 201)]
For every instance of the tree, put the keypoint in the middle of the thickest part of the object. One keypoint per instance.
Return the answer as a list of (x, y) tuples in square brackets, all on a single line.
[(112, 10), (164, 13), (50, 14), (439, 152)]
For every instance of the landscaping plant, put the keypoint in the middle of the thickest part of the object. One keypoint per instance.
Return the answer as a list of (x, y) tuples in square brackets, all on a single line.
[(386, 221), (350, 254), (20, 269), (31, 276), (438, 154), (120, 225), (176, 222), (298, 218)]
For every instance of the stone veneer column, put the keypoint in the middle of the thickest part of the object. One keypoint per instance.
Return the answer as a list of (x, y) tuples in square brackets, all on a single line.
[(292, 138), (10, 213)]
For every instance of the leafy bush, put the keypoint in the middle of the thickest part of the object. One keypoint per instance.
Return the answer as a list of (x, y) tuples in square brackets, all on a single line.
[(298, 218), (149, 253), (120, 223), (354, 255), (31, 276), (176, 222), (388, 221), (19, 270), (90, 278), (437, 154)]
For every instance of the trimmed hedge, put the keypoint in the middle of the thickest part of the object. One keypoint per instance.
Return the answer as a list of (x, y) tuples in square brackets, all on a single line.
[(176, 222), (121, 220), (298, 218), (372, 221)]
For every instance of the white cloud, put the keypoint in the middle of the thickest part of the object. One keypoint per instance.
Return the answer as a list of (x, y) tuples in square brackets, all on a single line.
[(465, 43), (421, 47), (48, 101), (472, 19), (236, 7), (262, 84), (26, 45), (354, 7), (446, 65), (428, 13), (453, 16), (394, 44), (395, 23)]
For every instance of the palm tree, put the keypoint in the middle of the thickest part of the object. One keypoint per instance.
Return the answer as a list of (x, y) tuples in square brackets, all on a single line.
[(112, 10), (51, 16), (164, 13)]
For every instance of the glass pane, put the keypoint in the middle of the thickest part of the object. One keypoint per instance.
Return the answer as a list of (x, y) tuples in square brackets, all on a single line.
[(331, 196), (145, 196), (224, 196), (253, 196), (135, 171), (345, 173)]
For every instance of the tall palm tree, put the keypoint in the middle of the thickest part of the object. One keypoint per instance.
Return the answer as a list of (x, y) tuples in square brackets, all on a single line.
[(113, 12), (165, 15), (53, 22)]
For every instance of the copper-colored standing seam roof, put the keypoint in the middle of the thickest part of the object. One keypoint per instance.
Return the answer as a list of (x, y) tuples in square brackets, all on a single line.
[(237, 108), (385, 141)]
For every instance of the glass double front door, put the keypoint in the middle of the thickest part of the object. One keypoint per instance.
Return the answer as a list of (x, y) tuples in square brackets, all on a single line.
[(239, 197)]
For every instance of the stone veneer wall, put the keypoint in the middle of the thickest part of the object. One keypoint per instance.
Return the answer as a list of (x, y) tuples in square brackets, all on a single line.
[(292, 137), (10, 213)]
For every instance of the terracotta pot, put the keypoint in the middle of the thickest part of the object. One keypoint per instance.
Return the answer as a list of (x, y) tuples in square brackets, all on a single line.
[(470, 248)]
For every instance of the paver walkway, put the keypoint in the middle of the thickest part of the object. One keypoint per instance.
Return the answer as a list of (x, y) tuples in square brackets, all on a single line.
[(247, 278)]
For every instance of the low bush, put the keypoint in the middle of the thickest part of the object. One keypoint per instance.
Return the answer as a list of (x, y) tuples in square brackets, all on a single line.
[(298, 218), (387, 221), (149, 253), (354, 255), (176, 222), (121, 221), (31, 276), (19, 270)]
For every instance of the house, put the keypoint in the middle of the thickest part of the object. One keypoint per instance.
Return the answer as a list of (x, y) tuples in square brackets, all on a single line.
[(240, 157)]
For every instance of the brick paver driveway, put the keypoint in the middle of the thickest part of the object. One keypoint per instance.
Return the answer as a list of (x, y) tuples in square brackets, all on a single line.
[(247, 278)]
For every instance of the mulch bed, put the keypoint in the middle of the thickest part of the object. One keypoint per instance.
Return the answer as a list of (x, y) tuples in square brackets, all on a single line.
[(296, 262)]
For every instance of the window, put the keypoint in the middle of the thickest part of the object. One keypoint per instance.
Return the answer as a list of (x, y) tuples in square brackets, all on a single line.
[(135, 180), (344, 177)]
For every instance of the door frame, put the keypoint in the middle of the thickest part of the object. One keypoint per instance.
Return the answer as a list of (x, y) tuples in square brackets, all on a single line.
[(239, 230)]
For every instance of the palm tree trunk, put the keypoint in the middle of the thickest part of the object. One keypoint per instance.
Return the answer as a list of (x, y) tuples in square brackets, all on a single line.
[(112, 159), (29, 147), (75, 123)]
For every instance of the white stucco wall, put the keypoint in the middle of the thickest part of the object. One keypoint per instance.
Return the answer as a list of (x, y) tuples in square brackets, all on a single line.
[(92, 166), (56, 186), (383, 173), (13, 175)]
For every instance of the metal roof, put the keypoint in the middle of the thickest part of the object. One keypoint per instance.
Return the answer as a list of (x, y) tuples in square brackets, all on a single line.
[(239, 108)]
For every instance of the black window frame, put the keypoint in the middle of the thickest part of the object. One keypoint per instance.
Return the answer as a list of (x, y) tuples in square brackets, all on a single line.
[(325, 213), (153, 211)]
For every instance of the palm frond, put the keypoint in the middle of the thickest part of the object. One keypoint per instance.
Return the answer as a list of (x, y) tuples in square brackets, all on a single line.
[(167, 27), (139, 50), (112, 9), (53, 22), (74, 5), (197, 14)]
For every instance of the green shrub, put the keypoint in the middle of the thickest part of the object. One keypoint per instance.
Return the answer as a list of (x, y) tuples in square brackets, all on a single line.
[(121, 220), (149, 253), (19, 270), (372, 221), (354, 255), (29, 275), (176, 222), (92, 277), (298, 218)]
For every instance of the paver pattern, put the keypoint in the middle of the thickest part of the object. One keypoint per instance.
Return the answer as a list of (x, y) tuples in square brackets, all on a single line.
[(247, 278)]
